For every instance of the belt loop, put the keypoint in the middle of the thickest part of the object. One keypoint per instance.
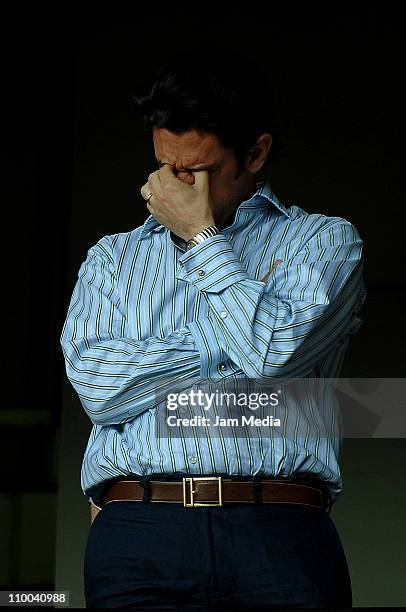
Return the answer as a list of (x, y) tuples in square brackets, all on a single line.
[(144, 483), (257, 488)]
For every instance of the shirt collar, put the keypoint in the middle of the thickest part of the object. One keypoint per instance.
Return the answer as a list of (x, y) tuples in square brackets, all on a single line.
[(262, 198)]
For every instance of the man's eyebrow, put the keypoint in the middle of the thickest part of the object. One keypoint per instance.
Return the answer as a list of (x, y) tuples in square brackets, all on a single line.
[(204, 167)]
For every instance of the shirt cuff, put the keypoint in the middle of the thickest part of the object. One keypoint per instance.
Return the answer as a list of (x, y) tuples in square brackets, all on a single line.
[(211, 265)]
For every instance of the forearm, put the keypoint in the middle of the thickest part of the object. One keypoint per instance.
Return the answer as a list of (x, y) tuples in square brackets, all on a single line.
[(273, 338), (118, 379), (279, 328)]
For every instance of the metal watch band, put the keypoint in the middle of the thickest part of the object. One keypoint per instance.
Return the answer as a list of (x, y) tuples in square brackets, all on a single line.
[(212, 230)]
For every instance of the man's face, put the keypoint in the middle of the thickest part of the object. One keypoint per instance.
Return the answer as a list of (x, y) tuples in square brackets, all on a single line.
[(194, 151)]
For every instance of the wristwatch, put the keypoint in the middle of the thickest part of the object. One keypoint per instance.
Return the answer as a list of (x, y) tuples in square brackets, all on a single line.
[(212, 230)]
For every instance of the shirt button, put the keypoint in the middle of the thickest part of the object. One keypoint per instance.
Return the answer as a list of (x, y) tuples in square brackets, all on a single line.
[(222, 367), (201, 272), (193, 459), (223, 314)]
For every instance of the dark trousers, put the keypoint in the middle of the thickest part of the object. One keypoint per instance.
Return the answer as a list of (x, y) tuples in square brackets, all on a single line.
[(165, 556)]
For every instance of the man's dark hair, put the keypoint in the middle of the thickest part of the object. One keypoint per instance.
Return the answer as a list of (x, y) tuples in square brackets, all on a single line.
[(215, 92)]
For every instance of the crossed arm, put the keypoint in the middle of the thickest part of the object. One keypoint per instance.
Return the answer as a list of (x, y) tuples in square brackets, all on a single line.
[(279, 326)]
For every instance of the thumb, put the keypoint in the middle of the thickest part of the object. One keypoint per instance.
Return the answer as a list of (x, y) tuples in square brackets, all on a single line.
[(201, 179)]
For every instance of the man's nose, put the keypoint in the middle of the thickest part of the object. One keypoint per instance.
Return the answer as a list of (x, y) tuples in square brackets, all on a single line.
[(186, 177)]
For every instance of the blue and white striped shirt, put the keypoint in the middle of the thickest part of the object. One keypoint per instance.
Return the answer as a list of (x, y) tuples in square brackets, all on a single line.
[(145, 311)]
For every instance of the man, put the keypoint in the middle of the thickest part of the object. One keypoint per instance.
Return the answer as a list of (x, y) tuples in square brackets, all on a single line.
[(221, 285)]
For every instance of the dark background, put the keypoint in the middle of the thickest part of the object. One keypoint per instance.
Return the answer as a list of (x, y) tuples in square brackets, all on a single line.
[(77, 156)]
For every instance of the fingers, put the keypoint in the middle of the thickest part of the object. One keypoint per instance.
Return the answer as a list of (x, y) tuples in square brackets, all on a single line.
[(154, 181), (154, 186), (145, 190), (93, 512), (167, 173), (277, 262), (161, 180)]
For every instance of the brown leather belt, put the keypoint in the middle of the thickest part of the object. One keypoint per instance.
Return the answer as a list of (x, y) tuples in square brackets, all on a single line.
[(216, 491)]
